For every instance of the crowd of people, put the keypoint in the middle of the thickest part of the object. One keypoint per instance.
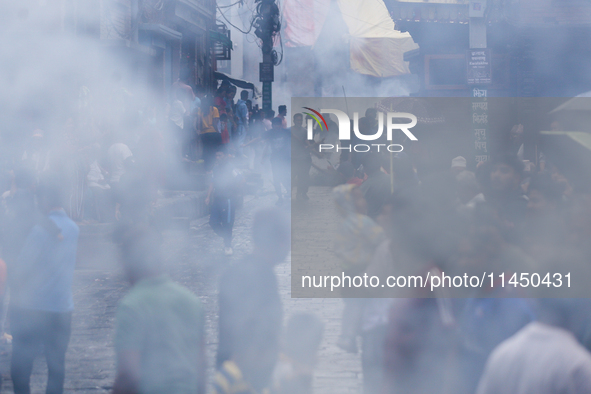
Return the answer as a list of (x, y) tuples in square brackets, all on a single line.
[(505, 215), (109, 163)]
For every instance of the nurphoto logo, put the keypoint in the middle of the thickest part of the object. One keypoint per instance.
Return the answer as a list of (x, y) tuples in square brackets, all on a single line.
[(392, 124)]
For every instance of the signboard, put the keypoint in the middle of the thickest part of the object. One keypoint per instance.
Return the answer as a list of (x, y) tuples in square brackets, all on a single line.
[(480, 124), (478, 66), (266, 73)]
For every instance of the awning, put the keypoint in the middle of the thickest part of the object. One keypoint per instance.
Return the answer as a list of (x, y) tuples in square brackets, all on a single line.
[(238, 82), (221, 38), (376, 47), (570, 152), (584, 139)]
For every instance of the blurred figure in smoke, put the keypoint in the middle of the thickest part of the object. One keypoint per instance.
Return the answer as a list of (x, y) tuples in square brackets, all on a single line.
[(268, 120), (250, 309), (99, 195), (377, 187), (491, 315), (117, 154), (418, 347), (371, 117), (420, 332), (218, 100), (301, 158), (458, 164), (516, 141), (224, 128), (469, 195), (177, 121), (278, 141), (229, 99), (544, 357), (211, 138), (159, 337), (503, 191), (256, 131), (242, 124), (37, 154), (282, 109), (222, 197), (294, 373), (355, 243), (41, 298)]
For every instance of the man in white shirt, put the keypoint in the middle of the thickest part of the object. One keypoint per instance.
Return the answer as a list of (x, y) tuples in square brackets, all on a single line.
[(543, 357)]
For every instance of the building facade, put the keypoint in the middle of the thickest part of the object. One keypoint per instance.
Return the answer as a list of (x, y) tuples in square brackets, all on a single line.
[(537, 47)]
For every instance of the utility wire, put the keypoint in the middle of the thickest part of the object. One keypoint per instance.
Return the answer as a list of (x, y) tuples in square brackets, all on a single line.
[(234, 26), (241, 2)]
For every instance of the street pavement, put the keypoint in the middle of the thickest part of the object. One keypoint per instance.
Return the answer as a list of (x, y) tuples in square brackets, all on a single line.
[(195, 259)]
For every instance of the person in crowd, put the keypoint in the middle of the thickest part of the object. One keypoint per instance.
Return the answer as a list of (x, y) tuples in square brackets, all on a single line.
[(420, 332), (544, 357), (177, 116), (256, 131), (37, 153), (354, 244), (250, 308), (268, 120), (196, 103), (377, 187), (229, 98), (98, 186), (222, 197), (294, 372), (160, 334), (516, 144), (490, 315), (374, 322), (418, 344), (219, 101), (301, 157), (371, 117), (242, 120), (41, 292), (503, 192), (185, 94), (282, 114), (278, 141), (224, 129), (469, 195), (458, 164), (211, 138), (117, 154)]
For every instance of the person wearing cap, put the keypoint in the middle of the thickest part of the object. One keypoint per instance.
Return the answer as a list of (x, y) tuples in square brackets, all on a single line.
[(458, 164)]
